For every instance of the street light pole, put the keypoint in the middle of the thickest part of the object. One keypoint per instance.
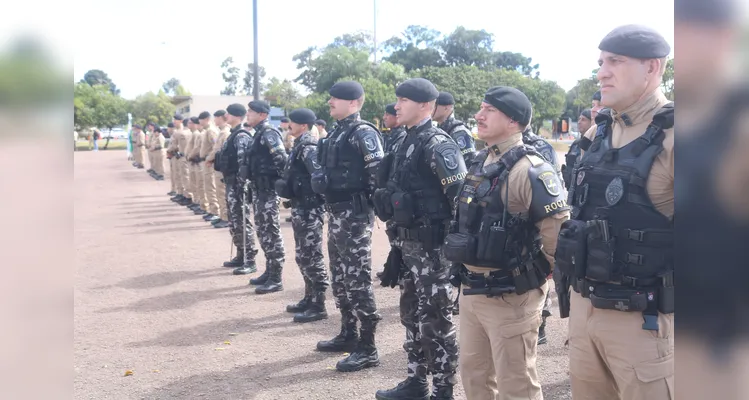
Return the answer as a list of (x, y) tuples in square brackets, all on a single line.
[(375, 31), (256, 78)]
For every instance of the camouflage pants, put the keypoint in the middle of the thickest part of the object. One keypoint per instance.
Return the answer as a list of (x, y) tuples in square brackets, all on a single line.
[(234, 194), (350, 254), (426, 312), (307, 225), (265, 203)]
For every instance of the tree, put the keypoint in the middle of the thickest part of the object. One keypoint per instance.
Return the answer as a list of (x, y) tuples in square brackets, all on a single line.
[(668, 79), (249, 79), (283, 94), (318, 102), (359, 41), (376, 96), (27, 78), (98, 77), (170, 86), (231, 77), (152, 107), (335, 63), (97, 107), (417, 48), (547, 98), (304, 62), (579, 97), (515, 62), (468, 47)]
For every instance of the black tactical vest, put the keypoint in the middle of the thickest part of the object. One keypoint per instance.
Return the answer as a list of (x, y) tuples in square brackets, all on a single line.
[(570, 159), (543, 147), (628, 240), (299, 179), (226, 160), (392, 140), (261, 160), (343, 164), (415, 182)]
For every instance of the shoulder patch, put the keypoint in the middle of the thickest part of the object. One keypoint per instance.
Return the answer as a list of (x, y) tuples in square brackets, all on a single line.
[(449, 154), (369, 143), (550, 182)]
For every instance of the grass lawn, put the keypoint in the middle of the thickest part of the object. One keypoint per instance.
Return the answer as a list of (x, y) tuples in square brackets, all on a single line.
[(82, 145)]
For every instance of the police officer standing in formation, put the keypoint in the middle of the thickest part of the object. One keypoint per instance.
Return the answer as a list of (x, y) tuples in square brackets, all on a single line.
[(219, 118), (349, 158), (320, 124), (196, 173), (157, 152), (396, 132), (182, 148), (176, 158), (206, 170), (584, 122), (423, 177), (170, 156), (139, 148), (503, 238), (150, 127), (266, 160), (306, 216), (595, 105), (457, 129), (231, 161), (617, 249)]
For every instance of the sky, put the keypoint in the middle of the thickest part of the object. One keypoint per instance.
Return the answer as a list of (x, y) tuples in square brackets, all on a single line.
[(141, 44)]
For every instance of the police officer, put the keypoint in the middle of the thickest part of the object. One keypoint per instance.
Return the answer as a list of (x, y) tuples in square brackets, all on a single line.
[(196, 172), (618, 247), (320, 124), (170, 156), (174, 149), (457, 129), (231, 161), (306, 216), (139, 150), (219, 118), (157, 152), (584, 122), (595, 105), (396, 132), (349, 158), (508, 215), (183, 147), (424, 176), (267, 159)]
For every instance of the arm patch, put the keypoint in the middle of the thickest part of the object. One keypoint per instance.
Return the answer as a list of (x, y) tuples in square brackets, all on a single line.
[(448, 163), (548, 196)]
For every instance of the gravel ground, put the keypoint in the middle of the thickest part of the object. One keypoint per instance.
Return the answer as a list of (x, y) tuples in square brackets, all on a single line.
[(152, 298)]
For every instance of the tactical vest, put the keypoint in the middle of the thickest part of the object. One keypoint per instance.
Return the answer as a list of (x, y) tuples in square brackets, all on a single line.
[(570, 159), (261, 159), (226, 160), (623, 240), (543, 147), (343, 165), (298, 179), (484, 233), (418, 198), (392, 140)]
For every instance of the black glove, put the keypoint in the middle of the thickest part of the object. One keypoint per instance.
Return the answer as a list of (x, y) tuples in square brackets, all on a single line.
[(393, 268), (455, 270)]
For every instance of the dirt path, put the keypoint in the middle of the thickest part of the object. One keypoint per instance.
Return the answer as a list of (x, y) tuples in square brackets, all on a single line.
[(151, 297)]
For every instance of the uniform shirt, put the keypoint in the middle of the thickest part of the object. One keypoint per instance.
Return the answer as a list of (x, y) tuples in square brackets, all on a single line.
[(157, 141), (223, 133), (140, 139), (208, 140), (195, 142), (519, 200), (174, 140), (630, 124), (184, 141)]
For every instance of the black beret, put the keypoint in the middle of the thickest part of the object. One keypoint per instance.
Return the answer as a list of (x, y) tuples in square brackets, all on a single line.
[(347, 90), (170, 125), (259, 106), (419, 90), (586, 113), (511, 102), (195, 120), (597, 95), (151, 123), (185, 121), (178, 116), (284, 119), (445, 99), (390, 109), (204, 115), (321, 122), (302, 116), (707, 11), (219, 113), (636, 41), (137, 126), (236, 110)]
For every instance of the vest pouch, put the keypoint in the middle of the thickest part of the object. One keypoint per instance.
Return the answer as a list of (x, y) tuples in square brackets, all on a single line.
[(283, 189), (601, 266), (460, 248), (319, 182), (382, 205), (491, 245), (403, 208), (218, 162), (666, 299), (572, 248), (383, 171), (331, 156)]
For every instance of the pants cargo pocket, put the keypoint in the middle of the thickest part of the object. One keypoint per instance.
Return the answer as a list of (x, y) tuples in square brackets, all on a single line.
[(655, 379), (519, 338)]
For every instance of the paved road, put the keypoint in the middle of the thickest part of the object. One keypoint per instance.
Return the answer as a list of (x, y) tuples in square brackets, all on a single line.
[(150, 297)]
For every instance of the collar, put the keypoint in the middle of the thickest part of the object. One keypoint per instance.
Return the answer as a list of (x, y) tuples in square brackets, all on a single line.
[(260, 125), (425, 121), (500, 148), (642, 110), (348, 120)]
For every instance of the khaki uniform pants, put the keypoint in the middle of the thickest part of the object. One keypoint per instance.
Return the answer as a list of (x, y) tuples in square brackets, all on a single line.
[(209, 187), (498, 340), (221, 195), (612, 357), (196, 177), (157, 161), (151, 161), (138, 155), (184, 173), (174, 176)]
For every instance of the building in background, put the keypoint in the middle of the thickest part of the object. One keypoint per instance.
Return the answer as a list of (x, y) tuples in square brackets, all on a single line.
[(192, 106)]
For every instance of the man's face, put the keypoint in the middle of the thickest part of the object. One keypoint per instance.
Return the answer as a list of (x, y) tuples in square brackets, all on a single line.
[(170, 131), (407, 111), (492, 123), (254, 118), (297, 129), (177, 123), (623, 79), (339, 108), (219, 121), (285, 125), (233, 120), (442, 112), (320, 127), (583, 124), (205, 122), (390, 120)]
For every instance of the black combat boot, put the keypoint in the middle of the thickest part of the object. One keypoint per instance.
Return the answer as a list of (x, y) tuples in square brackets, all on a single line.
[(177, 198), (542, 331), (208, 216), (172, 193), (315, 310), (301, 306), (199, 211), (346, 340), (273, 284), (237, 261), (221, 224), (442, 393), (260, 280), (185, 201), (247, 268), (364, 356), (413, 388)]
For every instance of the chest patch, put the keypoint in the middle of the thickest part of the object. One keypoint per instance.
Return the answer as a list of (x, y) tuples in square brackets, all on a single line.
[(614, 191)]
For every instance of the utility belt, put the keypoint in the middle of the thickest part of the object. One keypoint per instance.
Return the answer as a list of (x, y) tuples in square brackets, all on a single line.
[(307, 202), (495, 284), (264, 182), (430, 236), (344, 201), (650, 299)]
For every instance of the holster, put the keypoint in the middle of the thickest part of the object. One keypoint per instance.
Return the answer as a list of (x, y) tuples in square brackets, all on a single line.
[(572, 246)]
